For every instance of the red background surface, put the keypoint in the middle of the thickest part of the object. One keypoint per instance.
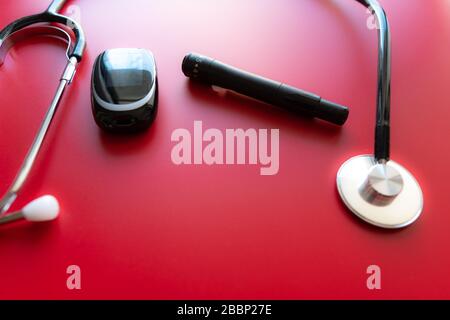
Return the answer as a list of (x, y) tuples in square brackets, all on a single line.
[(142, 228)]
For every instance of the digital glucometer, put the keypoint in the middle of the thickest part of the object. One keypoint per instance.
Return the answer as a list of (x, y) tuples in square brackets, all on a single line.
[(124, 90)]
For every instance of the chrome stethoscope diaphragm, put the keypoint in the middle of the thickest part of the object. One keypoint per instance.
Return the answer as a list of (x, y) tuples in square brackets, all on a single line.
[(382, 194)]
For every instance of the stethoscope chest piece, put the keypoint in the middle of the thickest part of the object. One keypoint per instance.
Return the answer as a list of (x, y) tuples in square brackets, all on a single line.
[(384, 194)]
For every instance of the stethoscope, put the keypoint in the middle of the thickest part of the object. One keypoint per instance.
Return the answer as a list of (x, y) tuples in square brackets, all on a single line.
[(375, 188), (44, 208)]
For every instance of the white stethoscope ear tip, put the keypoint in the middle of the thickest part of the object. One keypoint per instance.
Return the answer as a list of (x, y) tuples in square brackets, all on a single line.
[(45, 208)]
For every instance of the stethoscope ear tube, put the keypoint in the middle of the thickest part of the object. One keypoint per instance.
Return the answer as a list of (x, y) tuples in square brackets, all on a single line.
[(382, 128), (44, 208), (80, 40), (50, 16), (56, 6)]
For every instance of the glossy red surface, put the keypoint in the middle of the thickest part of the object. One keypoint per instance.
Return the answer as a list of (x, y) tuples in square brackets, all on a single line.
[(141, 227)]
